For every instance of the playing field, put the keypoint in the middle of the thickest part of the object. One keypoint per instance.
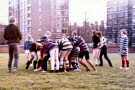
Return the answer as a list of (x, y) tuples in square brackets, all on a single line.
[(105, 79)]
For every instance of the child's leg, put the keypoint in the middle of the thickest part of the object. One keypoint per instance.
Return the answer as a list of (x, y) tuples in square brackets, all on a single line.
[(98, 55), (95, 53), (27, 54), (123, 61), (57, 58), (45, 62), (66, 59), (39, 63), (52, 60), (35, 59), (81, 54), (62, 55), (29, 61), (127, 61), (89, 61)]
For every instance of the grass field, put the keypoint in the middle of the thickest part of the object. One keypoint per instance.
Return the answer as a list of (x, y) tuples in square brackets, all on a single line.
[(105, 79)]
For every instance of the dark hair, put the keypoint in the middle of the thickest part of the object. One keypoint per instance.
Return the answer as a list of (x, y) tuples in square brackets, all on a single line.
[(125, 32), (94, 32), (99, 33)]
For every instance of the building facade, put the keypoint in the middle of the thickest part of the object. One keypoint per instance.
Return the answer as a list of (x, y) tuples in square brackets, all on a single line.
[(121, 15), (38, 16), (2, 40)]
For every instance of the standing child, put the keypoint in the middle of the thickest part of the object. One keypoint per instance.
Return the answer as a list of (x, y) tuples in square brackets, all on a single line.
[(96, 50), (123, 49), (103, 47), (27, 43)]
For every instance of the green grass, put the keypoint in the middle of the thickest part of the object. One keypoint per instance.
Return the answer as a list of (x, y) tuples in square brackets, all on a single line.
[(105, 79)]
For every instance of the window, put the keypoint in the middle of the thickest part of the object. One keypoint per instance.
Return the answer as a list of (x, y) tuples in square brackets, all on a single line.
[(121, 14), (65, 19), (65, 25), (109, 10), (109, 17), (29, 15), (115, 8), (29, 8), (29, 22), (64, 13)]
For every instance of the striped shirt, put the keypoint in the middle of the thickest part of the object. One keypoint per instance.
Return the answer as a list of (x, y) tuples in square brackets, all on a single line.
[(103, 40), (47, 47), (65, 44), (123, 45), (79, 41)]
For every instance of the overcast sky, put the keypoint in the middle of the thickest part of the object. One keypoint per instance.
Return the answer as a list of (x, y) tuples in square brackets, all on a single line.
[(95, 10)]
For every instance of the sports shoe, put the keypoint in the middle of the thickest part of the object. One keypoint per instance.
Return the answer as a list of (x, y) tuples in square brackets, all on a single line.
[(35, 70), (67, 70), (77, 69), (31, 65), (52, 71), (121, 68), (43, 71), (9, 70), (57, 71), (39, 68), (126, 68), (14, 70)]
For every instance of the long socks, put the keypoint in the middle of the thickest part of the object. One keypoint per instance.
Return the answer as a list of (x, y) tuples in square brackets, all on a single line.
[(123, 63), (28, 64), (127, 62), (39, 63), (35, 64)]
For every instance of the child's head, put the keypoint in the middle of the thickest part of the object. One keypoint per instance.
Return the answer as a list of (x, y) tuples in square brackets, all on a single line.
[(123, 32), (94, 33), (99, 34), (43, 39), (64, 36), (74, 32), (48, 34), (28, 36)]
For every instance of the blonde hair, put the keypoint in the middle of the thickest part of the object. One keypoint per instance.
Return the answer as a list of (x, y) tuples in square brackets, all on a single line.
[(28, 36), (48, 34), (12, 19)]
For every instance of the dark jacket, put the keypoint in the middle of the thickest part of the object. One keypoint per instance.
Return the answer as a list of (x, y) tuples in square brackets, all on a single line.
[(95, 40), (12, 34)]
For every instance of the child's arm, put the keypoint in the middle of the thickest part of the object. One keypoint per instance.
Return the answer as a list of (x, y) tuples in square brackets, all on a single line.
[(24, 45)]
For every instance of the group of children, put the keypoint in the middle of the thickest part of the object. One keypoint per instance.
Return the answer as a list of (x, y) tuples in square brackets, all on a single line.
[(70, 50)]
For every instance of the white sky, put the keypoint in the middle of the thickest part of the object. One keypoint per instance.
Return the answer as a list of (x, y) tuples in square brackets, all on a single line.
[(95, 11)]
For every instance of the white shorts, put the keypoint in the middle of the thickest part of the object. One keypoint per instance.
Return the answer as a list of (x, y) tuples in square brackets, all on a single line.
[(27, 52)]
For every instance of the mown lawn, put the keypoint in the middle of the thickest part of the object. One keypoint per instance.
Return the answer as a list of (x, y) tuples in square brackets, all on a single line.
[(105, 79)]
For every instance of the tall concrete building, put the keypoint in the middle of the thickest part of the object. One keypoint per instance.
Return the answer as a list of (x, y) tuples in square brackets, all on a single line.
[(38, 16), (2, 40), (120, 15)]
